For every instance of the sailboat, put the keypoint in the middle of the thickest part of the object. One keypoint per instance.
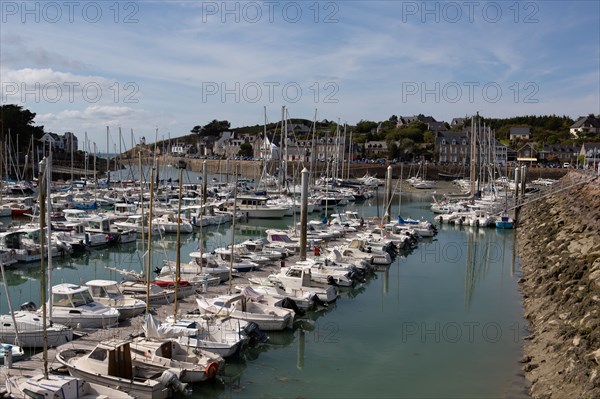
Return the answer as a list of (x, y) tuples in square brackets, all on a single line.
[(54, 386)]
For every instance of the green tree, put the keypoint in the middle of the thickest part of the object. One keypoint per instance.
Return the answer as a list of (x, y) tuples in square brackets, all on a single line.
[(393, 150), (18, 121), (429, 137), (246, 150), (213, 128), (366, 126)]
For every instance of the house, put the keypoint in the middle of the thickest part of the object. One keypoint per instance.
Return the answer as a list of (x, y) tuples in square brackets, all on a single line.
[(501, 154), (180, 148), (376, 149), (327, 149), (585, 124), (519, 133), (298, 128), (267, 147), (219, 144), (432, 124), (558, 153), (452, 147), (590, 153), (206, 144), (527, 153), (232, 146), (458, 122), (436, 126), (69, 141), (54, 141)]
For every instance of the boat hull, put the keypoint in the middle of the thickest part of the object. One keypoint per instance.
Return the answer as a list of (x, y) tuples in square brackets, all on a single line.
[(142, 390)]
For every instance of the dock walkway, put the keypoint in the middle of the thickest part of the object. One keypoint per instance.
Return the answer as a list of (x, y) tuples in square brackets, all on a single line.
[(34, 364)]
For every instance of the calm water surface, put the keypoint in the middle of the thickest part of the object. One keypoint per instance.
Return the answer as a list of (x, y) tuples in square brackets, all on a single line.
[(444, 321)]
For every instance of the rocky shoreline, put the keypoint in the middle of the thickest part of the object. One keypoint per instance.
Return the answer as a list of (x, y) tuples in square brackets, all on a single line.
[(559, 247)]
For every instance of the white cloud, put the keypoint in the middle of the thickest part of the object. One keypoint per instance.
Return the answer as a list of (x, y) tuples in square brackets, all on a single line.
[(369, 53)]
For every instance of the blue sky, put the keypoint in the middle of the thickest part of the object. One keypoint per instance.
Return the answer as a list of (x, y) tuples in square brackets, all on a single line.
[(168, 66)]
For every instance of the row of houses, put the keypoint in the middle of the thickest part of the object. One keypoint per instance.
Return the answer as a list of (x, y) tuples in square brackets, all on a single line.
[(66, 142), (455, 147)]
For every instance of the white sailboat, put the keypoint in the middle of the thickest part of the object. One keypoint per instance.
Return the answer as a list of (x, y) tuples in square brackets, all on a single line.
[(54, 386)]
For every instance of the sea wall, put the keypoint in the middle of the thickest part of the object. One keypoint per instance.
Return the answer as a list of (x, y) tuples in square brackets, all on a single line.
[(253, 169), (559, 247)]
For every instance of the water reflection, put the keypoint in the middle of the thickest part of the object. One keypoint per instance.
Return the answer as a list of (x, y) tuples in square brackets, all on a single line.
[(366, 325)]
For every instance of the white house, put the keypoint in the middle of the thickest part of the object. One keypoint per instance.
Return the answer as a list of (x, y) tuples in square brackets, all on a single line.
[(519, 133), (53, 140), (585, 124)]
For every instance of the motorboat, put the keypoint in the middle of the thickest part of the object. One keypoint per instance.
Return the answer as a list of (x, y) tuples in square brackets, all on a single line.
[(108, 293), (139, 290), (169, 222), (110, 363), (59, 386), (73, 306), (223, 336), (297, 281), (268, 318), (139, 224), (152, 350)]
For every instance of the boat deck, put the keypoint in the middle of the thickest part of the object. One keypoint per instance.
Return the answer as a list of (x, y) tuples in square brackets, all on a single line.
[(34, 364)]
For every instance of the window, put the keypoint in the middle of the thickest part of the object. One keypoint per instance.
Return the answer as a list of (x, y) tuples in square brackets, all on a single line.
[(98, 354)]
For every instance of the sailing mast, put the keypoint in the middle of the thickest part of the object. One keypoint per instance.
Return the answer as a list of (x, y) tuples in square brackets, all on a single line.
[(41, 190), (49, 227), (72, 136), (107, 151), (149, 267), (473, 160), (232, 230), (313, 158), (181, 165), (142, 213)]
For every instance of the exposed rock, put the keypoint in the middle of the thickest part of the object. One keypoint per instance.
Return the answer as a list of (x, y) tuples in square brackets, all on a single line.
[(559, 247)]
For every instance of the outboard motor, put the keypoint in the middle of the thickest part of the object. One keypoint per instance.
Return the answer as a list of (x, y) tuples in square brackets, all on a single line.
[(331, 281), (170, 379), (317, 301), (255, 333), (357, 275), (288, 303), (29, 306)]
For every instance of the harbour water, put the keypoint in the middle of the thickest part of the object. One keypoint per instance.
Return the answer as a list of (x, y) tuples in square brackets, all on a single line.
[(443, 321)]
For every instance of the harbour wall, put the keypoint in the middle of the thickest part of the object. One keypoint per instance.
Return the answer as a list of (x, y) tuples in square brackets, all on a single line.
[(253, 169), (559, 247)]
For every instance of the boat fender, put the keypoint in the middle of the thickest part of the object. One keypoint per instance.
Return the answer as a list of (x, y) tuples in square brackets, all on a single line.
[(211, 370), (13, 252)]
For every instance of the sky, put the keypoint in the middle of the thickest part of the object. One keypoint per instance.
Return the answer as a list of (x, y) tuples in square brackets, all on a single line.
[(159, 68)]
